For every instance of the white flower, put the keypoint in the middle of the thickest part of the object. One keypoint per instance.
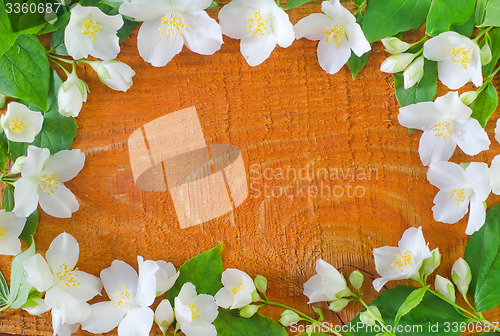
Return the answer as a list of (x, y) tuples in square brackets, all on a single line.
[(446, 123), (468, 97), (289, 317), (445, 287), (495, 175), (326, 284), (36, 306), (260, 25), (393, 45), (165, 277), (169, 25), (459, 59), (116, 75), (131, 295), (461, 275), (414, 72), (42, 181), (20, 123), (195, 314), (164, 315), (71, 96), (402, 262), (397, 63), (67, 289), (460, 187), (11, 227), (497, 130), (91, 32), (237, 290), (60, 327), (337, 32), (17, 167)]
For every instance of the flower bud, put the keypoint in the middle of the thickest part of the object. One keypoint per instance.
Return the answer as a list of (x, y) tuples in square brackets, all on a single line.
[(370, 316), (461, 275), (343, 293), (356, 279), (397, 63), (18, 165), (414, 73), (2, 100), (393, 45), (468, 97), (116, 75), (260, 283), (71, 96), (248, 311), (338, 305), (288, 317), (430, 264), (255, 296), (164, 315), (445, 287), (36, 306), (485, 53)]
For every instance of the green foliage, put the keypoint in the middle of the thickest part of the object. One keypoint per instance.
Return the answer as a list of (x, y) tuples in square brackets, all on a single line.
[(204, 271), (127, 28), (425, 90), (112, 3), (465, 29), (30, 228), (480, 11), (8, 198), (213, 5), (291, 4), (357, 63), (411, 302), (57, 44), (440, 17), (19, 287), (430, 311), (481, 254), (4, 291), (229, 323), (4, 152), (57, 131), (7, 36), (494, 39), (491, 14), (61, 21), (485, 104), (24, 71), (384, 18)]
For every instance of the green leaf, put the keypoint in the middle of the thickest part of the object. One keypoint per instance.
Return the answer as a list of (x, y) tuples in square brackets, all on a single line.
[(480, 11), (320, 313), (384, 18), (7, 36), (30, 228), (57, 131), (291, 4), (24, 71), (440, 17), (229, 323), (112, 3), (429, 318), (213, 5), (485, 104), (356, 64), (4, 152), (204, 271), (494, 37), (57, 44), (19, 287), (483, 256), (491, 14), (127, 28), (4, 290), (425, 90), (465, 29), (61, 22), (8, 198), (411, 302)]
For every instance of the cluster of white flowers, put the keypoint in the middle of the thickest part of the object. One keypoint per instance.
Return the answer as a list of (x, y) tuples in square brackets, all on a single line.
[(446, 123)]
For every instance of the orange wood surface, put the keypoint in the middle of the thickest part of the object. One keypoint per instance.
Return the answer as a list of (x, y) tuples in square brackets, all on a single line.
[(284, 114)]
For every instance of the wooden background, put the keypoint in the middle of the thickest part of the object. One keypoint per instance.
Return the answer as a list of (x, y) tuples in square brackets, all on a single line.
[(285, 113)]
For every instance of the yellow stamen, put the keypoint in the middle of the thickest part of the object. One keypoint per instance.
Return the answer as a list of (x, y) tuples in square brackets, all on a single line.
[(90, 28), (2, 232), (17, 125), (194, 313), (443, 130), (66, 276), (334, 34), (257, 24), (458, 195), (49, 183), (236, 290), (461, 55), (172, 24), (121, 298), (402, 260)]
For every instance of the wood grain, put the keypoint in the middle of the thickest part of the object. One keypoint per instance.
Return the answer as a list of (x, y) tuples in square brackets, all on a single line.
[(286, 114)]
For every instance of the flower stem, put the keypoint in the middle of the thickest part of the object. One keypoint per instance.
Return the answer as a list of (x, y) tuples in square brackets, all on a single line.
[(360, 8), (61, 59), (55, 62), (460, 309), (304, 316), (380, 321), (481, 33)]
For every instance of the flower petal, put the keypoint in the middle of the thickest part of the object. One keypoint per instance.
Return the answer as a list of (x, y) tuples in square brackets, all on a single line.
[(257, 49), (166, 276), (187, 292), (190, 5), (106, 46), (60, 328), (447, 210), (332, 58), (379, 283), (11, 223), (477, 216), (422, 116), (137, 322), (497, 131), (453, 75), (413, 240), (433, 148), (357, 40), (103, 318), (224, 298), (232, 18), (35, 160), (478, 176), (313, 289), (66, 164), (38, 272), (337, 12), (63, 250), (119, 273), (60, 203), (208, 307), (88, 286), (202, 329), (446, 175), (183, 314), (154, 48), (72, 310), (146, 284), (10, 244), (311, 27), (25, 197), (471, 137), (451, 105), (144, 10), (282, 27), (384, 258), (203, 34), (495, 175)]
